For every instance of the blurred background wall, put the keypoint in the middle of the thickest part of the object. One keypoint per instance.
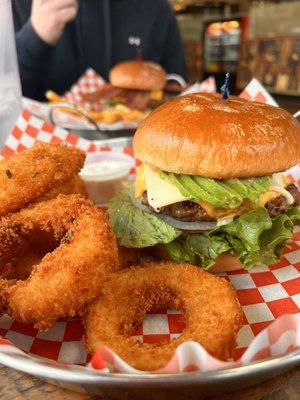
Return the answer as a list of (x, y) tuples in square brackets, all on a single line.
[(274, 19), (258, 38)]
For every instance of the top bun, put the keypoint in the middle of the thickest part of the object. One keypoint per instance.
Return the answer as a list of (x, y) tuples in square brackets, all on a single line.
[(139, 75), (202, 134)]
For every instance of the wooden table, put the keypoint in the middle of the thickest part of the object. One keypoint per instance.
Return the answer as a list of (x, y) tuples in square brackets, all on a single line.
[(17, 386)]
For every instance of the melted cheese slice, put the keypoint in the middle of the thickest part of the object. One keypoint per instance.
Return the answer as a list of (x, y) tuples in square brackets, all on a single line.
[(140, 182), (268, 196), (156, 95), (160, 193), (221, 213)]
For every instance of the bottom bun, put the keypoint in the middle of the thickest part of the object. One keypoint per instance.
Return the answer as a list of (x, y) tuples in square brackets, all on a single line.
[(224, 263)]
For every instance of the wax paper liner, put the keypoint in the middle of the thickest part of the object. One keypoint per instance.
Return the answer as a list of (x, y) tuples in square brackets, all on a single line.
[(269, 297), (89, 83), (206, 86)]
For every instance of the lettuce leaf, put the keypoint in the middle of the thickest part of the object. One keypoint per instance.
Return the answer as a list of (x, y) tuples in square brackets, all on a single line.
[(228, 192), (254, 238), (137, 228), (294, 214), (181, 252)]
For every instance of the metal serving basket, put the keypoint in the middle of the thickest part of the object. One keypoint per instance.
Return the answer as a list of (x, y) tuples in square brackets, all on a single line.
[(118, 137), (191, 386)]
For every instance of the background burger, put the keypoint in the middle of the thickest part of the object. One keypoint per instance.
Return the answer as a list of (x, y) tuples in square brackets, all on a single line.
[(210, 189), (136, 84)]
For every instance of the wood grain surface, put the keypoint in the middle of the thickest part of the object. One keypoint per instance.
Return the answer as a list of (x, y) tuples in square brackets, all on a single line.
[(17, 386)]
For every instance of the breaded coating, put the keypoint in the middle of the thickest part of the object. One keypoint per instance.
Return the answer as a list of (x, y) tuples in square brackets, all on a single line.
[(129, 257), (83, 254), (3, 286), (74, 186), (209, 305), (18, 265), (28, 175)]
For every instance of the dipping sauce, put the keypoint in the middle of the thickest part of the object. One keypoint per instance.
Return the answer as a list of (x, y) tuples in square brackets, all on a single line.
[(104, 167), (104, 175)]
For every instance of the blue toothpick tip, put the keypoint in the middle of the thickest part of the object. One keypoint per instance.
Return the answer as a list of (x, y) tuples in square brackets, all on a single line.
[(225, 88)]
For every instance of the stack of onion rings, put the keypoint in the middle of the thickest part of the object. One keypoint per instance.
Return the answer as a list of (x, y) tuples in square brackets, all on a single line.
[(57, 254), (209, 305), (82, 254)]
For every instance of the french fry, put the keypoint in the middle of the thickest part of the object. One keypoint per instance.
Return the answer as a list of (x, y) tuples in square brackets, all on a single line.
[(96, 115), (110, 115), (132, 115), (53, 97)]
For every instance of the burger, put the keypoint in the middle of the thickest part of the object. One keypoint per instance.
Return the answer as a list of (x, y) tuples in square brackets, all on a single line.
[(136, 84), (138, 75), (211, 188), (141, 83)]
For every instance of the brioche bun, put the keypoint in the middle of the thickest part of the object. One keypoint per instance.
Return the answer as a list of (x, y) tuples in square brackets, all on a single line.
[(224, 263), (202, 134), (138, 75)]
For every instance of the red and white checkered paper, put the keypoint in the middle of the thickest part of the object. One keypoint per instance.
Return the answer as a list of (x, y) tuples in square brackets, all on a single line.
[(90, 82), (255, 91), (206, 86), (269, 297)]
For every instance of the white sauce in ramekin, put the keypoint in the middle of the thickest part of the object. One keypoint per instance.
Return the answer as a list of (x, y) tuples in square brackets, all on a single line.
[(104, 175)]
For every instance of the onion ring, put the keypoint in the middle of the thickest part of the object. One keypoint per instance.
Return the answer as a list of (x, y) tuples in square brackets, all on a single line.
[(3, 286), (74, 186), (83, 252), (209, 305), (131, 256), (28, 175)]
